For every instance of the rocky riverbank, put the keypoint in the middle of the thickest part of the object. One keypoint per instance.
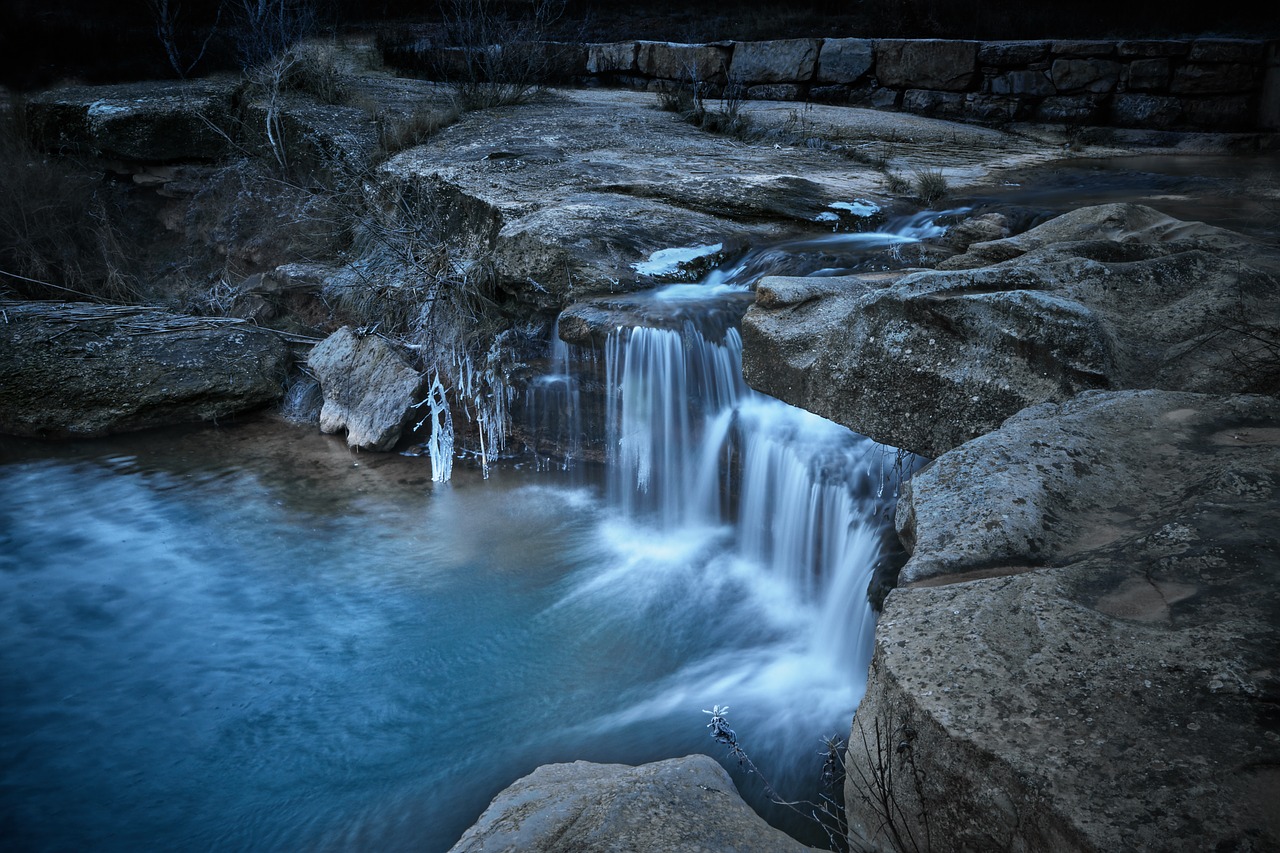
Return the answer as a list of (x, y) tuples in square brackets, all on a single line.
[(1081, 653)]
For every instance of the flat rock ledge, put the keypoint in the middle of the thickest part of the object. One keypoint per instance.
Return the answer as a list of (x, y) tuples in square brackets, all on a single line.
[(1088, 659), (682, 805), (71, 369), (1116, 296)]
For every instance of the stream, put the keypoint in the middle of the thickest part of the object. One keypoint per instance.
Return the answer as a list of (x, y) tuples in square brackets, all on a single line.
[(249, 637)]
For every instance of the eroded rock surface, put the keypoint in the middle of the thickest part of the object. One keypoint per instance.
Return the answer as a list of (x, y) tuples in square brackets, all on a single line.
[(369, 388), (78, 369), (1108, 297), (1121, 696), (569, 196), (681, 805)]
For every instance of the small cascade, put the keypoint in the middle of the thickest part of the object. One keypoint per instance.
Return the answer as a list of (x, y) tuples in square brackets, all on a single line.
[(553, 405), (662, 387), (757, 521), (691, 446)]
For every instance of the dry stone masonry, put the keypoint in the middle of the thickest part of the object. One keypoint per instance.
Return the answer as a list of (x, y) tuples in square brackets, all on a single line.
[(1217, 84)]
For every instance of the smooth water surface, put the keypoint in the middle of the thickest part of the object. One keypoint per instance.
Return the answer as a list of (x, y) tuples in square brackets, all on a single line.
[(249, 637)]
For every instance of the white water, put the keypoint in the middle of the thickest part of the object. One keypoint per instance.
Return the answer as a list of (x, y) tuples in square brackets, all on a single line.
[(728, 498), (694, 450)]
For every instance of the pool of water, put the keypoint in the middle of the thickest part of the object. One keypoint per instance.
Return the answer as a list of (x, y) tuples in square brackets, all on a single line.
[(250, 637)]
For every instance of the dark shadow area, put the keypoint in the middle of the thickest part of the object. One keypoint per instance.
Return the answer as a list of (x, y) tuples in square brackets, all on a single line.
[(42, 44)]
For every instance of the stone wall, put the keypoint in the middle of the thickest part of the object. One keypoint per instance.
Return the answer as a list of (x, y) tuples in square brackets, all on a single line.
[(1215, 84)]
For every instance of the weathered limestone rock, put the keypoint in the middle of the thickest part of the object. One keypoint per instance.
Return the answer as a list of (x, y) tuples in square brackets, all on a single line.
[(927, 63), (978, 229), (1153, 47), (1250, 51), (615, 58), (1071, 109), (567, 198), (77, 369), (844, 60), (149, 122), (369, 388), (1193, 79), (780, 61), (1146, 75), (702, 63), (1080, 475), (1085, 75), (1114, 296), (1119, 698), (1010, 54), (1146, 111), (1023, 82), (682, 805)]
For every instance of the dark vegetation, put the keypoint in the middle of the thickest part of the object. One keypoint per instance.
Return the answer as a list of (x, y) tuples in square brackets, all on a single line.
[(94, 41)]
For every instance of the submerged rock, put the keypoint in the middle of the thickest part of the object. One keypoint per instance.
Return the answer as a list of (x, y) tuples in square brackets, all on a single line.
[(1109, 297), (369, 388), (1114, 686), (78, 369), (681, 805)]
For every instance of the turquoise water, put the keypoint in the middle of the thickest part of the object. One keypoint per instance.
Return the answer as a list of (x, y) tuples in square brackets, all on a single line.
[(249, 637)]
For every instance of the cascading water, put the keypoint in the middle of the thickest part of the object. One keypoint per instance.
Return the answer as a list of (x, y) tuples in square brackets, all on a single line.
[(726, 495), (245, 637)]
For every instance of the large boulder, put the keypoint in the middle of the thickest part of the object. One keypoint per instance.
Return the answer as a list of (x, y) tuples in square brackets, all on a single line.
[(1090, 661), (844, 60), (687, 63), (945, 64), (78, 369), (1108, 297), (369, 388), (780, 61), (682, 805), (148, 122)]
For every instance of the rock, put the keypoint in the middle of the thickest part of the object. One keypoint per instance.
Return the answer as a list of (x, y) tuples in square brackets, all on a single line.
[(780, 61), (1114, 296), (116, 369), (1035, 83), (926, 64), (978, 229), (1085, 75), (567, 197), (776, 92), (925, 102), (1071, 109), (616, 58), (1223, 112), (1250, 51), (844, 60), (590, 322), (1194, 79), (1081, 47), (1117, 698), (702, 63), (1146, 111), (1153, 47), (682, 805), (1011, 54), (369, 388), (148, 122), (1081, 474), (1147, 75)]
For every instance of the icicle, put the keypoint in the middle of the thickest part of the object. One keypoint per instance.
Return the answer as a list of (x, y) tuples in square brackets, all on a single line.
[(440, 445)]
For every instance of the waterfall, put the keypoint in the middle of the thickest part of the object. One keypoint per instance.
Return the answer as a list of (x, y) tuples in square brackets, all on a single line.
[(690, 446), (732, 514)]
